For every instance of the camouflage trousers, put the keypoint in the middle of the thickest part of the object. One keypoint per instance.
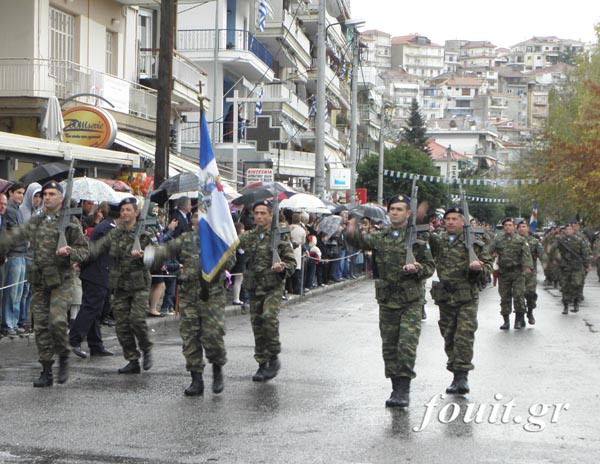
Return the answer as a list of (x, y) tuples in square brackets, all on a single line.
[(458, 324), (531, 290), (598, 267), (400, 329), (49, 308), (571, 284), (202, 326), (264, 316), (129, 309), (511, 287)]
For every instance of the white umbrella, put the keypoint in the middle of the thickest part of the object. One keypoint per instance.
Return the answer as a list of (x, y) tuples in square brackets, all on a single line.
[(86, 188), (306, 202), (53, 124)]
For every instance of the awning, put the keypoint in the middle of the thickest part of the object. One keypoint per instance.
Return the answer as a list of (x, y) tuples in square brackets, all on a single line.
[(53, 149)]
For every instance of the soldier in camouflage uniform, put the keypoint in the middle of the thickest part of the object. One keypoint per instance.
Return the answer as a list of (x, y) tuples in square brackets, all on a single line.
[(52, 277), (130, 280), (587, 250), (572, 257), (264, 281), (551, 270), (596, 255), (399, 292), (514, 261), (537, 252), (457, 294), (201, 307)]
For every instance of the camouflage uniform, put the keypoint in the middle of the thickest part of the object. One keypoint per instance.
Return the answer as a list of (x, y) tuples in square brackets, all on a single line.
[(265, 288), (552, 272), (400, 296), (573, 258), (513, 257), (201, 304), (52, 278), (130, 282), (537, 253), (457, 295), (596, 256)]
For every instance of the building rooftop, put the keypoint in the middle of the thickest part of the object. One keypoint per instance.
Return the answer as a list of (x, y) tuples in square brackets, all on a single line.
[(479, 44), (438, 151), (414, 39)]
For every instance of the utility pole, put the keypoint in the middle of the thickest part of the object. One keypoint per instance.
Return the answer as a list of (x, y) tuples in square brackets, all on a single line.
[(354, 116), (168, 13), (381, 155), (321, 102), (448, 155)]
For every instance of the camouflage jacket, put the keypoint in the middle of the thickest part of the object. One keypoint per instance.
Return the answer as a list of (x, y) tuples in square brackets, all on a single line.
[(186, 248), (571, 253), (536, 249), (513, 253), (42, 232), (259, 277), (452, 261), (395, 287)]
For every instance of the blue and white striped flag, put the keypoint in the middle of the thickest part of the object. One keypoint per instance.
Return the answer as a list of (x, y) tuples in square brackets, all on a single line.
[(534, 216), (259, 94), (218, 237), (313, 110), (262, 15)]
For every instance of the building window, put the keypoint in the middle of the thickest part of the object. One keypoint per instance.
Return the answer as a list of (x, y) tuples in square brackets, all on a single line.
[(108, 66), (61, 40)]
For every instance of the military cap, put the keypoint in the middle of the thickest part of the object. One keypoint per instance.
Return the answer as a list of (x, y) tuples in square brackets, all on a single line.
[(266, 203), (52, 184), (453, 209), (518, 222), (507, 219), (128, 201), (398, 198)]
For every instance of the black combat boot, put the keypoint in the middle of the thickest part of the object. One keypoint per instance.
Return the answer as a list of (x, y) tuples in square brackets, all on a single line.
[(272, 368), (423, 313), (462, 383), (575, 307), (519, 321), (63, 368), (530, 317), (400, 393), (147, 364), (196, 388), (133, 367), (565, 307), (260, 373), (46, 379), (218, 385), (506, 324)]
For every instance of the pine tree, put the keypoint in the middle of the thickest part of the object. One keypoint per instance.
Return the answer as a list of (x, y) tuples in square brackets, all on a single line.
[(415, 132)]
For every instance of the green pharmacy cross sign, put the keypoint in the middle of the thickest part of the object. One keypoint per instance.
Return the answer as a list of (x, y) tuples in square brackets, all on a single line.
[(263, 133)]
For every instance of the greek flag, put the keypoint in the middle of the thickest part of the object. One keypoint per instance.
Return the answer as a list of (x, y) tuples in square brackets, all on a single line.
[(262, 15), (313, 110), (260, 93), (534, 215), (218, 237)]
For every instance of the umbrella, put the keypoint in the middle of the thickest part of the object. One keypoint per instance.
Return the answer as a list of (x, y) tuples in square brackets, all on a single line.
[(4, 184), (57, 170), (53, 123), (330, 225), (184, 182), (263, 190), (117, 185), (371, 211), (86, 188), (306, 202)]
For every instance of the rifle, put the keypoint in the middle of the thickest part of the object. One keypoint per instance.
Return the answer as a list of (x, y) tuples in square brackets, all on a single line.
[(66, 212), (276, 230), (142, 222), (468, 229), (413, 229)]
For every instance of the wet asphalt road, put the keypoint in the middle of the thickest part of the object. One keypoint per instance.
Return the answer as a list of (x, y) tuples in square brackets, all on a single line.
[(327, 404)]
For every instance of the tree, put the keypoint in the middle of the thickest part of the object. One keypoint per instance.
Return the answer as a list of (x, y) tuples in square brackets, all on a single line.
[(415, 132)]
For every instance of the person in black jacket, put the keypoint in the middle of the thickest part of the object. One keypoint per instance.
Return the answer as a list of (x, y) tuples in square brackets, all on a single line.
[(94, 283)]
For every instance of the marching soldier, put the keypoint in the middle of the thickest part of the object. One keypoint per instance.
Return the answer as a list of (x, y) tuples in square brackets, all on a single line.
[(457, 294), (264, 281), (573, 259), (399, 292), (201, 306), (130, 281), (52, 277), (514, 261), (537, 253)]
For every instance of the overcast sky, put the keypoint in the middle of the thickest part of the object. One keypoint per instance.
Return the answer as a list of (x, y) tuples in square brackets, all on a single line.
[(504, 22)]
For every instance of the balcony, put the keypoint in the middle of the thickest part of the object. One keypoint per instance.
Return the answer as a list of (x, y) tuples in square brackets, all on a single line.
[(297, 110), (31, 77), (239, 50), (338, 89)]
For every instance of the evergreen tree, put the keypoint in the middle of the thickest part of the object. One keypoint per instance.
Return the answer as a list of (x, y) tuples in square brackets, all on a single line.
[(415, 132)]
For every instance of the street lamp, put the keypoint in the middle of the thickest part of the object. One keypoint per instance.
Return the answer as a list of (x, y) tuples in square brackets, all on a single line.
[(448, 157), (386, 110)]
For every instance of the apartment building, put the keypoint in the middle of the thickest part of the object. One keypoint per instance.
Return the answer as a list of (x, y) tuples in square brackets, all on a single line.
[(477, 54), (539, 84), (417, 55), (541, 52), (460, 94)]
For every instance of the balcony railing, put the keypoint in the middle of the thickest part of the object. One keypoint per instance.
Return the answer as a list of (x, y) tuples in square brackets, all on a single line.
[(280, 91), (184, 70), (30, 77), (225, 39)]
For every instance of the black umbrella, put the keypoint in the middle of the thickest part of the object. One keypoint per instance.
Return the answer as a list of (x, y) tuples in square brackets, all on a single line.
[(370, 211), (261, 191), (184, 182), (57, 170)]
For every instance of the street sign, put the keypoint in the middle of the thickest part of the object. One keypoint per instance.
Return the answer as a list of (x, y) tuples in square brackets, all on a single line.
[(259, 175)]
